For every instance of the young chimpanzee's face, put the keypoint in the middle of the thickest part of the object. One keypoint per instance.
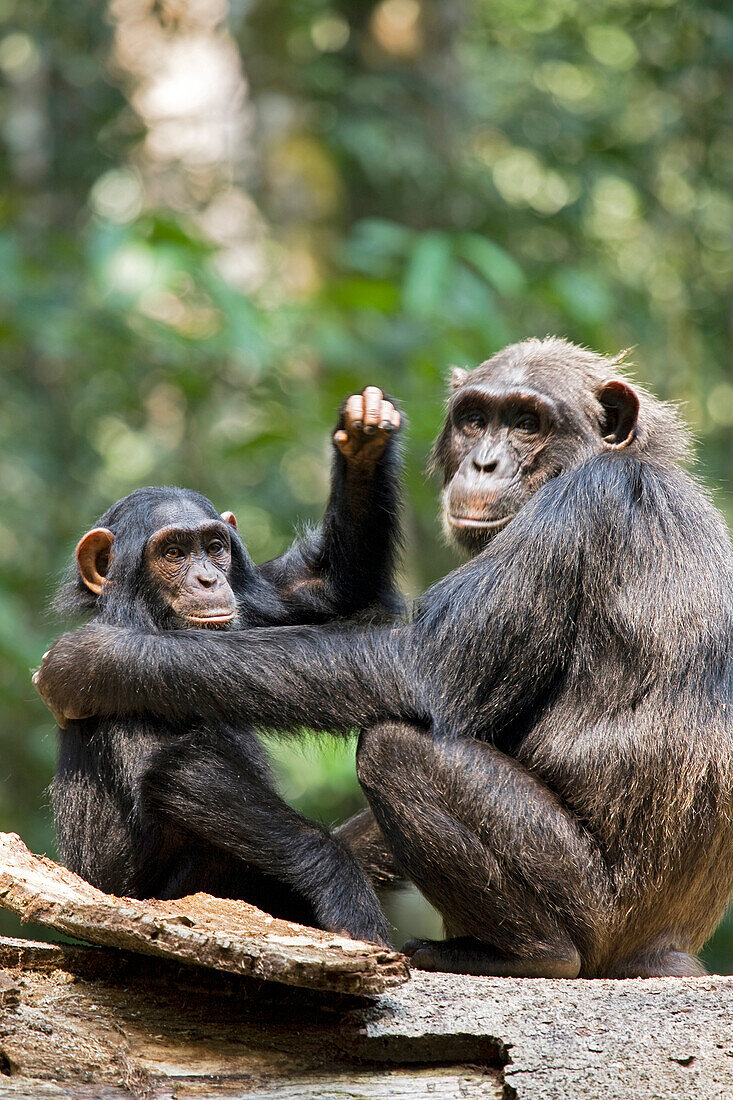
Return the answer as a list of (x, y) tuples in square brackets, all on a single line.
[(173, 558), (189, 569)]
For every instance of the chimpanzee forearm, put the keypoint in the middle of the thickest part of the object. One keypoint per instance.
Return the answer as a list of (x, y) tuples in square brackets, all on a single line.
[(348, 564), (360, 535), (209, 787), (281, 678)]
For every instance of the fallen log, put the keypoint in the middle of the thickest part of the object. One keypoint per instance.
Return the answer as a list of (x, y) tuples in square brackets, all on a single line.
[(200, 929), (93, 1022)]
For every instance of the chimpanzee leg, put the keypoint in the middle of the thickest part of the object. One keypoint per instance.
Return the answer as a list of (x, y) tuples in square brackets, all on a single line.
[(365, 840), (216, 789), (521, 886)]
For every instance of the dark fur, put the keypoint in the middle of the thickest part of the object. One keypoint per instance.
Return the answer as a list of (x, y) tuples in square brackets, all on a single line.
[(547, 747), (161, 806)]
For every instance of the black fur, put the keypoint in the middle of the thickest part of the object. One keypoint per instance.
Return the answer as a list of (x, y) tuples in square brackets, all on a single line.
[(164, 805), (547, 746)]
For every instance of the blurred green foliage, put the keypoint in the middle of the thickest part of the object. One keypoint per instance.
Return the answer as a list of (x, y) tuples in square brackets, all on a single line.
[(430, 182)]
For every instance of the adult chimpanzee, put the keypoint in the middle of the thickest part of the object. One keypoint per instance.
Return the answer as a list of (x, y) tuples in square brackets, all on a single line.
[(547, 747), (152, 806)]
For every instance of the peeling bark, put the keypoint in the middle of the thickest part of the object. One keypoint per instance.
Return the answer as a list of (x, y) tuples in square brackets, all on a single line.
[(200, 929), (99, 1023)]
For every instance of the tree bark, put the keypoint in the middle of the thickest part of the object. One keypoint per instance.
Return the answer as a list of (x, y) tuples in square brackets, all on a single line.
[(200, 929), (103, 1023)]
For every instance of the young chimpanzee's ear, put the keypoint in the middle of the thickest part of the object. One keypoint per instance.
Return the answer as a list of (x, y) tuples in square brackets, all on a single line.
[(621, 408), (93, 557), (230, 518)]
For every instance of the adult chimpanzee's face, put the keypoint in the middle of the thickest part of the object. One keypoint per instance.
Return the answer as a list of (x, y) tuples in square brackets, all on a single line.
[(189, 567), (513, 424), (499, 440)]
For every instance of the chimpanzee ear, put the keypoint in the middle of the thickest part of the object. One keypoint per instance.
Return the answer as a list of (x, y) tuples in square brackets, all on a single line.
[(457, 377), (621, 407), (93, 557), (230, 518)]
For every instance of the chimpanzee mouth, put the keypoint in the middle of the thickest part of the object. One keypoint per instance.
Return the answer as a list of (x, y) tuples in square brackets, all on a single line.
[(219, 618), (483, 524)]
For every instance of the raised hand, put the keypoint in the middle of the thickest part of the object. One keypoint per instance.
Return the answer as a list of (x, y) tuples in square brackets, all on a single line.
[(367, 422)]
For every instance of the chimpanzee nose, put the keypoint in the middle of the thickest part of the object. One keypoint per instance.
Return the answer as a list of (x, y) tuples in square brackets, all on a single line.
[(206, 578), (485, 466)]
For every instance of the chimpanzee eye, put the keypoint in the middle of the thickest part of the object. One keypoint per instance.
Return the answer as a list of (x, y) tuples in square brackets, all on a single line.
[(472, 422), (527, 423), (173, 553), (215, 546)]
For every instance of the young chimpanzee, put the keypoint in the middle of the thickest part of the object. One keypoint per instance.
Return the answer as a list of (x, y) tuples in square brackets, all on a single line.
[(161, 807), (548, 746)]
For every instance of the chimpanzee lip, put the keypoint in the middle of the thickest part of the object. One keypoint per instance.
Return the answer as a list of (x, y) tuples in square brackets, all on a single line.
[(473, 521), (218, 617)]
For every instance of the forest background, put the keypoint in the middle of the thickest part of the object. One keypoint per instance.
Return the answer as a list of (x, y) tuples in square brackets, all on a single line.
[(219, 218)]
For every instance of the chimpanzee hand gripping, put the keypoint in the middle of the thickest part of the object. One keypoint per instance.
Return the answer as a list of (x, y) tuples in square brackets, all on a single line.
[(153, 805), (547, 747)]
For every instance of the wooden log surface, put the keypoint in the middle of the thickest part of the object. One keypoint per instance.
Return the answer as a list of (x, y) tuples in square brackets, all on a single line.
[(104, 1023), (199, 930), (94, 1023)]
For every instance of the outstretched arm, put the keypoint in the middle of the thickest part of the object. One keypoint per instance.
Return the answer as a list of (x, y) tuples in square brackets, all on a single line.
[(348, 564), (488, 644), (279, 678)]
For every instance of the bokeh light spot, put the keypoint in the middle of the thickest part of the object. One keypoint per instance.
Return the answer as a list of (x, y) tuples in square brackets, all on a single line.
[(330, 33), (117, 195), (612, 46)]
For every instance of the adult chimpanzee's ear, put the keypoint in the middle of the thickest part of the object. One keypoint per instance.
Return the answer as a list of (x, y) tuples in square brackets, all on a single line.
[(230, 518), (621, 408), (457, 377), (93, 558)]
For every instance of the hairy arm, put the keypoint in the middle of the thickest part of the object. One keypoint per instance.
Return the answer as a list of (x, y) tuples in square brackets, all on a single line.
[(281, 677), (348, 564), (487, 646), (212, 786)]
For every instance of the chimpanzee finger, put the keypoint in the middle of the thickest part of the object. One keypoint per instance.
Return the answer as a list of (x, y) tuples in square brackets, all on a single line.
[(386, 422), (60, 719), (354, 412), (372, 409)]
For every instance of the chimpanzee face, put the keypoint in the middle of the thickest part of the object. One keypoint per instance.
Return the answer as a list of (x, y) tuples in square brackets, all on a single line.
[(512, 425), (500, 439), (184, 575), (189, 569)]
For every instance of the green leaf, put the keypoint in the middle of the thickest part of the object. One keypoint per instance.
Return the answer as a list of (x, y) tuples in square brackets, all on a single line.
[(427, 273), (496, 265)]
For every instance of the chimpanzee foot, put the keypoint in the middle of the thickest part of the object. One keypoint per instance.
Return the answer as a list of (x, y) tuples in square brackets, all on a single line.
[(463, 955), (466, 955)]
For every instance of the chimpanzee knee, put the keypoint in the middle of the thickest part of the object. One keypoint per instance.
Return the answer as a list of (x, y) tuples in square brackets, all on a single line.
[(385, 757)]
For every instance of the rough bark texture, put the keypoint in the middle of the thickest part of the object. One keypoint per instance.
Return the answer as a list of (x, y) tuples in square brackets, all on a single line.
[(200, 929), (93, 1022), (102, 1024)]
